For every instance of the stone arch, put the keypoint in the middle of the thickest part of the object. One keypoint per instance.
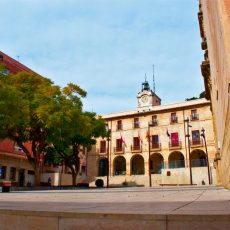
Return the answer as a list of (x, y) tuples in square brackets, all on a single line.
[(198, 158), (102, 166), (119, 164), (176, 160), (156, 163), (137, 165)]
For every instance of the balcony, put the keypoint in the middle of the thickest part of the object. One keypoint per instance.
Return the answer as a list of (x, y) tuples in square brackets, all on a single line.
[(175, 145), (154, 123), (198, 142), (119, 126), (102, 151), (136, 148), (136, 125), (194, 117), (173, 120), (155, 147), (119, 150)]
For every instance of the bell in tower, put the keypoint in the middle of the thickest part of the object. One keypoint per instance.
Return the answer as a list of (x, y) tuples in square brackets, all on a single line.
[(145, 86), (147, 98)]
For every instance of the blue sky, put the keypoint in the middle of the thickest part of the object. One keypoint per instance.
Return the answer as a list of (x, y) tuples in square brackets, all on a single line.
[(107, 46)]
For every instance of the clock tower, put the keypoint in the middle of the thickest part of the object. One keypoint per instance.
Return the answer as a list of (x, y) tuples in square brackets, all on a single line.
[(147, 98)]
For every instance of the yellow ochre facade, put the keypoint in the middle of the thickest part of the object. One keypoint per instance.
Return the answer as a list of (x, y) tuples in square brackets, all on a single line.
[(154, 138)]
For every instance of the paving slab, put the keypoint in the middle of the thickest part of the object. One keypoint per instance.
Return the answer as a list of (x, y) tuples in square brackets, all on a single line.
[(141, 208)]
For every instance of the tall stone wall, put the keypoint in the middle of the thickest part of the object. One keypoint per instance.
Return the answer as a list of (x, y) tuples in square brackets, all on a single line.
[(214, 17)]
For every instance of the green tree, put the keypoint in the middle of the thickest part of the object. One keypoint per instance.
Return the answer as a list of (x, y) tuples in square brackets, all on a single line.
[(29, 106), (77, 131), (202, 95)]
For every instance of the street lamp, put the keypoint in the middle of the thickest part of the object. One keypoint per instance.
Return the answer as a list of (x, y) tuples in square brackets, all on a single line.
[(189, 154), (150, 176), (206, 151), (108, 139)]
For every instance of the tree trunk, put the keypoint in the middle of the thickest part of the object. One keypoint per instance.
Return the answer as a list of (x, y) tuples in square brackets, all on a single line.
[(37, 175), (34, 161), (74, 177), (74, 174)]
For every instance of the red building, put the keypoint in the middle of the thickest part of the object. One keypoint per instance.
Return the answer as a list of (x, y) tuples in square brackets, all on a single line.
[(14, 165)]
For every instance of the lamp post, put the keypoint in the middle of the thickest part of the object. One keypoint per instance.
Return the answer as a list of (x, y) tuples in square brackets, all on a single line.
[(206, 151), (108, 139), (189, 154), (150, 176)]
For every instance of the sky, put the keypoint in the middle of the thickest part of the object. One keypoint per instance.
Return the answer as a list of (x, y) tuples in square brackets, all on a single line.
[(107, 46)]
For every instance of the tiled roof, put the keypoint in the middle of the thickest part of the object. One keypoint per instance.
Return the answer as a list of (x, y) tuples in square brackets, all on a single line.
[(12, 65)]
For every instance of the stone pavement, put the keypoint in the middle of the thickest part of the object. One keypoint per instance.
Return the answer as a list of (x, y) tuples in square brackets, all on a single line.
[(204, 207)]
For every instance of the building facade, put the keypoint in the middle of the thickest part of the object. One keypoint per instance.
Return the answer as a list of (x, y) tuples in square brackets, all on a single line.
[(214, 20), (150, 146), (14, 165)]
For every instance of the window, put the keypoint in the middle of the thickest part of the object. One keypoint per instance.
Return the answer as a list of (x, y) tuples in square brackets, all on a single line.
[(2, 172), (12, 173), (136, 143), (83, 169), (194, 115), (4, 72), (136, 122), (102, 146), (195, 137), (173, 118), (155, 141), (174, 139), (30, 172), (17, 148), (119, 125), (118, 145), (154, 120)]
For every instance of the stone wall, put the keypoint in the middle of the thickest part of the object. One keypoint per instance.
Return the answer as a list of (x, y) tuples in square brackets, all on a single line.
[(180, 176), (214, 19)]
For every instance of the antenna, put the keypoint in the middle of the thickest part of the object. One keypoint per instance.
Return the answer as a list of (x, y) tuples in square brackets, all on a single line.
[(153, 80), (18, 57), (145, 77)]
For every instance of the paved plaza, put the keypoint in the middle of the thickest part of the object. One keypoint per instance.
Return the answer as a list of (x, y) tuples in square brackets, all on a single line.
[(118, 208)]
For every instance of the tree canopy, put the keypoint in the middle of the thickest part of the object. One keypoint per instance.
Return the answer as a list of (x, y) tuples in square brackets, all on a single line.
[(202, 95), (33, 109)]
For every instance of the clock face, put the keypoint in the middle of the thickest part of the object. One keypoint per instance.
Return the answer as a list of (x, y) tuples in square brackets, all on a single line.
[(144, 99)]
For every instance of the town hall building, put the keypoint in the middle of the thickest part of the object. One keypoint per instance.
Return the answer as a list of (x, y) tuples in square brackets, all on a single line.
[(156, 144)]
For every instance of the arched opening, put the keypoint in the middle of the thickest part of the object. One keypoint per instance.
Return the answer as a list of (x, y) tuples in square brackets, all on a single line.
[(102, 167), (156, 163), (198, 158), (137, 165), (176, 160), (119, 165)]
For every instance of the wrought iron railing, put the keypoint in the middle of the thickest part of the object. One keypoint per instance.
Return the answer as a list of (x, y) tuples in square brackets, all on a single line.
[(155, 146), (194, 117), (175, 144), (173, 120), (135, 148), (119, 149)]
